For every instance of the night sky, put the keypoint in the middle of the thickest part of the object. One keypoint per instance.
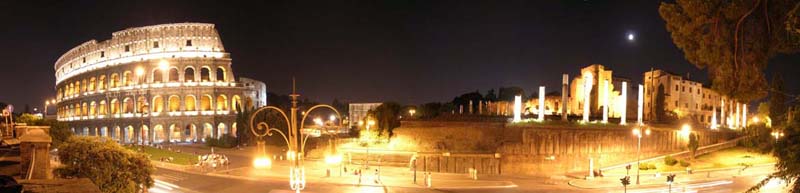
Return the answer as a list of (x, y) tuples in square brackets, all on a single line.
[(367, 51)]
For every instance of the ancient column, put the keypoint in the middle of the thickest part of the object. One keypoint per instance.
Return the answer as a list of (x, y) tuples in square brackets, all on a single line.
[(564, 90)]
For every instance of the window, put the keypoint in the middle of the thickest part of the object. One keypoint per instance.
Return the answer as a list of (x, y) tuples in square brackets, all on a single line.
[(188, 74), (683, 89), (676, 104), (127, 48), (84, 59), (676, 88), (102, 54), (188, 42), (690, 89), (155, 44)]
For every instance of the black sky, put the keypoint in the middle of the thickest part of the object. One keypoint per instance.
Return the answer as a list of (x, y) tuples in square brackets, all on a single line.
[(365, 51)]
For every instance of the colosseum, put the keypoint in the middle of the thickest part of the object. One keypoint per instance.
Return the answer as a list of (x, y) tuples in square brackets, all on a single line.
[(153, 84)]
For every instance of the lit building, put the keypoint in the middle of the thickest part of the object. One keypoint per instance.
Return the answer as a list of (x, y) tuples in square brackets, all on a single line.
[(683, 98), (170, 82), (358, 111), (599, 74)]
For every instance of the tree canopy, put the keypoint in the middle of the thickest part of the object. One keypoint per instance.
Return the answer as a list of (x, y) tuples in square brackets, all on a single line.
[(110, 166), (786, 150), (734, 40), (387, 117)]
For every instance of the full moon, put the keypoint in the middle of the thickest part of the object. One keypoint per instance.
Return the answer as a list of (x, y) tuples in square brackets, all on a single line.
[(630, 37)]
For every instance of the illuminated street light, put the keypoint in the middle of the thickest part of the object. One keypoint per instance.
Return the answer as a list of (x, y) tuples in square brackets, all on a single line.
[(262, 162), (686, 129), (411, 112), (638, 133), (318, 121), (332, 118), (139, 71)]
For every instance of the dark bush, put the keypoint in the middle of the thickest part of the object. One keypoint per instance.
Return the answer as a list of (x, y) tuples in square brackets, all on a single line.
[(670, 161)]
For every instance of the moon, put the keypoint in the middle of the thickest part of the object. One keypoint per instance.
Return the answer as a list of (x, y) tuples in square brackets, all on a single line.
[(631, 37)]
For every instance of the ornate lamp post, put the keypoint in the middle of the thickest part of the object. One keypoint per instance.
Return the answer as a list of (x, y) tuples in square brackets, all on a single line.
[(294, 140)]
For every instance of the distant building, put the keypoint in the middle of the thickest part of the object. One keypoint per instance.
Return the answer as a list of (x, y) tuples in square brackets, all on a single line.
[(682, 97), (599, 74), (257, 91), (358, 111)]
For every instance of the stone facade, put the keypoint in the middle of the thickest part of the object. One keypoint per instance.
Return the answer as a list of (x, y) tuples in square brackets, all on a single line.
[(534, 149), (170, 82)]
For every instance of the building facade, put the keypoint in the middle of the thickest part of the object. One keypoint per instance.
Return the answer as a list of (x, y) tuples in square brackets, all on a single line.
[(152, 84), (685, 98)]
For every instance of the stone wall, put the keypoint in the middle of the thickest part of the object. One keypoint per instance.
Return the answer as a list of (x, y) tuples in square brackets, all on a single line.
[(537, 149)]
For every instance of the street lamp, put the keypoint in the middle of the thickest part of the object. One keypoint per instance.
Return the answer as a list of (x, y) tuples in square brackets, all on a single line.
[(411, 112), (638, 133), (294, 140), (777, 134)]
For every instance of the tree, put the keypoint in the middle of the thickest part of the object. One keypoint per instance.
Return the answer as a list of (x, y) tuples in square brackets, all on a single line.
[(625, 182), (465, 99), (245, 136), (777, 99), (734, 40), (785, 149), (693, 144), (490, 96), (59, 131), (387, 117), (29, 119), (342, 107), (508, 93), (110, 166)]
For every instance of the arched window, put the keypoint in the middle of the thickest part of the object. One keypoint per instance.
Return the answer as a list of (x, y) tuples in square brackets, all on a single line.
[(141, 105), (114, 81), (222, 103), (101, 85), (92, 82), (157, 104), (158, 134), (158, 76), (205, 74), (114, 106), (92, 108), (128, 107), (127, 78), (221, 130), (78, 87), (102, 108), (207, 131), (221, 74), (174, 103), (205, 103), (188, 74), (190, 103), (85, 109), (83, 85), (236, 103), (173, 75)]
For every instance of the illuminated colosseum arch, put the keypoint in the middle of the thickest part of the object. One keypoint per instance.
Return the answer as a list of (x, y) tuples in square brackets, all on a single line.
[(191, 102), (190, 132), (117, 134), (234, 130), (158, 134), (188, 74), (236, 103), (141, 106), (85, 109), (158, 75), (128, 136), (92, 83), (93, 108), (77, 87), (127, 78), (104, 131), (205, 103), (173, 75), (208, 131), (221, 75), (102, 109), (144, 134), (158, 104), (114, 81), (174, 103), (83, 85), (222, 103), (85, 131), (69, 88), (174, 133), (127, 105), (114, 106), (101, 82), (222, 129), (205, 74)]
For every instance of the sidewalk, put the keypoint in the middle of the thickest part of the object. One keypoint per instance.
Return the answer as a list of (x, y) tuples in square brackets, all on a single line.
[(647, 180)]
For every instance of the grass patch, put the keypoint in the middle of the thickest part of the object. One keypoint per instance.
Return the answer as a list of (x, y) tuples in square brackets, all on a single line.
[(158, 154)]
